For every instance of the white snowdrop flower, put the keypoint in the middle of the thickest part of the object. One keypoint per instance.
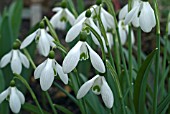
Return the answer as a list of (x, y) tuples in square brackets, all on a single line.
[(47, 70), (82, 51), (141, 15), (15, 97), (169, 28), (123, 31), (99, 86), (16, 58), (81, 26), (62, 16), (44, 40)]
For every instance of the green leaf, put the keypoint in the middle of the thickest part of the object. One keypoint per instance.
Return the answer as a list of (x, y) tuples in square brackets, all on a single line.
[(141, 83), (32, 109), (72, 7), (80, 6), (163, 104), (63, 109), (15, 14)]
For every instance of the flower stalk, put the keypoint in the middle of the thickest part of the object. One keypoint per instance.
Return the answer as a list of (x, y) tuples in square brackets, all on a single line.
[(157, 59)]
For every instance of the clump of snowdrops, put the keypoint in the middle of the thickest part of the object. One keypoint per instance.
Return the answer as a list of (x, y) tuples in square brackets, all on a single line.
[(120, 79)]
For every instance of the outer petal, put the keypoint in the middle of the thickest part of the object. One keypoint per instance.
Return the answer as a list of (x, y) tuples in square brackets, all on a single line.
[(4, 95), (80, 17), (28, 39), (123, 12), (21, 96), (72, 58), (110, 39), (57, 9), (16, 65), (50, 39), (109, 18), (107, 94), (96, 29), (96, 60), (70, 17), (86, 87), (74, 31), (133, 37), (6, 59), (14, 101), (47, 76), (122, 32), (38, 70), (24, 59), (63, 77), (43, 44), (131, 15), (147, 18)]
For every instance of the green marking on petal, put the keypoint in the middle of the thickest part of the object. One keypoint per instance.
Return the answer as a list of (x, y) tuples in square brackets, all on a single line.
[(96, 88), (63, 19), (83, 56)]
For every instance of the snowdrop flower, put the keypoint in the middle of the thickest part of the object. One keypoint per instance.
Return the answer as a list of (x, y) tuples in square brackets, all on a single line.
[(47, 70), (16, 58), (44, 40), (15, 97), (99, 86), (123, 31), (82, 51), (81, 26), (61, 17), (141, 15)]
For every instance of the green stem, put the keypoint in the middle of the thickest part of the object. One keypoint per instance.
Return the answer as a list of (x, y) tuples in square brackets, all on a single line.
[(50, 102), (139, 47), (30, 90), (34, 66), (157, 60)]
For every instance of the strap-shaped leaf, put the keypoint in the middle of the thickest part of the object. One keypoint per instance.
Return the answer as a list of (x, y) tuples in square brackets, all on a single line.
[(63, 109), (141, 83)]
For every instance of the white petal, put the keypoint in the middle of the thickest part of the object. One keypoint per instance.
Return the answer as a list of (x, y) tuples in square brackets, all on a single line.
[(86, 87), (109, 18), (16, 65), (72, 58), (24, 59), (38, 70), (96, 60), (96, 29), (147, 18), (51, 40), (63, 77), (4, 95), (135, 21), (96, 89), (80, 17), (74, 31), (29, 39), (110, 39), (47, 76), (14, 101), (21, 96), (70, 17), (56, 9), (43, 44), (169, 28), (56, 22), (123, 12), (107, 94), (122, 32), (133, 37), (131, 15), (6, 59)]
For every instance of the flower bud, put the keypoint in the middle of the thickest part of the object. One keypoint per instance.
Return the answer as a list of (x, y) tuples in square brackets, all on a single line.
[(12, 83), (83, 36), (63, 4), (51, 54), (88, 13), (41, 25), (98, 2), (16, 45)]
